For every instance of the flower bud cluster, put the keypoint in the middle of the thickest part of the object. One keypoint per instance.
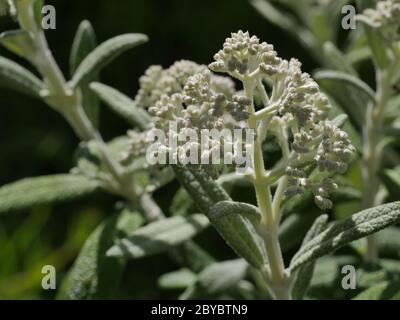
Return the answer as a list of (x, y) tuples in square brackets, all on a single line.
[(386, 17), (299, 114), (242, 54), (158, 81)]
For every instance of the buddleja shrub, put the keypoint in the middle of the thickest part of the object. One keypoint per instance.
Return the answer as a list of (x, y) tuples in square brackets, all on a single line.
[(278, 101)]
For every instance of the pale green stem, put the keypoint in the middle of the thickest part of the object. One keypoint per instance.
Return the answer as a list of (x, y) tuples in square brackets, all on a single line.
[(264, 199), (68, 102), (371, 158)]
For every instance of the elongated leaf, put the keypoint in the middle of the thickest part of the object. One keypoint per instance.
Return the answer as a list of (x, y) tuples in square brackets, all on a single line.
[(305, 273), (391, 179), (104, 54), (285, 21), (337, 59), (159, 236), (388, 241), (346, 78), (191, 256), (180, 279), (232, 222), (29, 192), (18, 42), (15, 77), (382, 291), (207, 193), (204, 191), (93, 275), (84, 43), (343, 232), (218, 278), (122, 105)]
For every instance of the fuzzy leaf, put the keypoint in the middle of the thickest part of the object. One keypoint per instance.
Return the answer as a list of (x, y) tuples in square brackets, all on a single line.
[(343, 232), (217, 279), (337, 59), (18, 42), (391, 179), (207, 193), (84, 43), (93, 275), (104, 54), (13, 76), (361, 86), (231, 219), (382, 291), (159, 236), (191, 256), (29, 192), (305, 273), (122, 105), (204, 191), (180, 279)]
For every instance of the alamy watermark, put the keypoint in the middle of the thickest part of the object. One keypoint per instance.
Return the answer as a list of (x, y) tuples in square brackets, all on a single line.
[(189, 146)]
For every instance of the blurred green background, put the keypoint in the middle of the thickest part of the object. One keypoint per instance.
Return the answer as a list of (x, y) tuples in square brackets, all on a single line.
[(36, 141)]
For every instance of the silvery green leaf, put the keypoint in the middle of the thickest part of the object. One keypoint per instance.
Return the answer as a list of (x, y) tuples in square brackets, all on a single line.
[(354, 82), (246, 210), (391, 179), (305, 273), (236, 222), (104, 54), (337, 59), (181, 203), (159, 236), (388, 290), (29, 192), (191, 255), (84, 43), (217, 279), (122, 105), (201, 187), (285, 21), (388, 242), (93, 275), (345, 231), (294, 227), (177, 280), (340, 120), (18, 42), (16, 77)]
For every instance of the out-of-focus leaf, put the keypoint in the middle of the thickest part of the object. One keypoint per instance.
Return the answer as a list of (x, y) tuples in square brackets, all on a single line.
[(388, 242), (181, 203), (177, 280), (356, 83), (104, 54), (337, 59), (84, 43), (345, 231), (391, 179), (305, 273), (191, 256), (18, 42), (15, 77), (382, 291), (29, 192), (122, 105), (93, 275), (217, 279), (159, 236)]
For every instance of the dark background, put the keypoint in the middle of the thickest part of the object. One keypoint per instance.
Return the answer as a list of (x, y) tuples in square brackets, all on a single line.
[(36, 141)]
